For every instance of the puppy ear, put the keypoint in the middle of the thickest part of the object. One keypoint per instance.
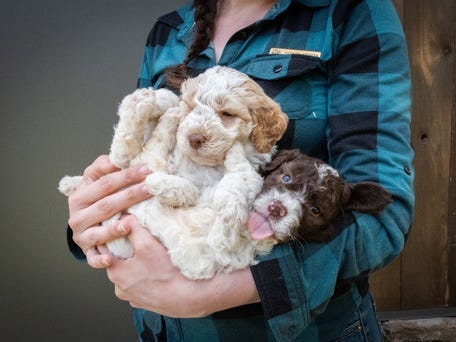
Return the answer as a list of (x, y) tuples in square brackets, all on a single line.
[(281, 157), (269, 121), (366, 197)]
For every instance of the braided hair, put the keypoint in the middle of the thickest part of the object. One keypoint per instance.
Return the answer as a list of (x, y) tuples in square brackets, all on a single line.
[(205, 12)]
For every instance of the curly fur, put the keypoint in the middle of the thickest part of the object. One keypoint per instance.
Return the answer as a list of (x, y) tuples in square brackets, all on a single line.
[(205, 149), (303, 196)]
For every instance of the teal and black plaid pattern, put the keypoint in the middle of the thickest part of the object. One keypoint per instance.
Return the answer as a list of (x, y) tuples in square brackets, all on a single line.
[(339, 69)]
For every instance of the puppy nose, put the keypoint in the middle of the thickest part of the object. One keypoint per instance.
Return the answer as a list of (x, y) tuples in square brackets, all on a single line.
[(196, 140), (277, 209)]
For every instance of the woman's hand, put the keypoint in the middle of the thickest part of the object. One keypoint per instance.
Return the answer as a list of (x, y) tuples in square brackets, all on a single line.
[(99, 197), (149, 280)]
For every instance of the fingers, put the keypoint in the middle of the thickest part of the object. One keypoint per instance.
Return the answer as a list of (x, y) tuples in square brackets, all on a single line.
[(141, 238), (108, 206), (108, 184), (98, 255), (97, 260), (100, 167), (102, 199), (100, 235), (104, 192)]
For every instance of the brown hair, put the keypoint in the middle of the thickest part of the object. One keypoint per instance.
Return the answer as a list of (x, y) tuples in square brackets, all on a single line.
[(205, 12)]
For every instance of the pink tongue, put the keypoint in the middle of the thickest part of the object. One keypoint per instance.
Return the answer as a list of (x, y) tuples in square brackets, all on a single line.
[(259, 226)]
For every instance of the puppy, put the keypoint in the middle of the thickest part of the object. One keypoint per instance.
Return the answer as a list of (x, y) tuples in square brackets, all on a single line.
[(302, 196), (205, 149)]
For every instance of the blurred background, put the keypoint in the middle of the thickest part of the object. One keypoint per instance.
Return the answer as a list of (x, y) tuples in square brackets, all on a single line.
[(65, 66)]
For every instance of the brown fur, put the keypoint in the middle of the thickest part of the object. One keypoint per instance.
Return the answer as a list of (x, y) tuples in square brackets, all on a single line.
[(269, 121), (323, 198)]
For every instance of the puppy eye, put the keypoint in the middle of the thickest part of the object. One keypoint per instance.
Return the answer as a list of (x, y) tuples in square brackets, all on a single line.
[(227, 115), (286, 178), (315, 211)]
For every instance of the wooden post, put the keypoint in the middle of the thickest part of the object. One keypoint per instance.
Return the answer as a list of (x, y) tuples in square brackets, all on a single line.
[(430, 33), (451, 286), (425, 275)]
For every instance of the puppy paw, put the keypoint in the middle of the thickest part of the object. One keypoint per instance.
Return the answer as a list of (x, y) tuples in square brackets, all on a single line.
[(171, 190), (120, 247), (203, 272), (147, 104), (194, 259), (225, 233), (265, 246), (68, 184), (139, 114), (165, 99)]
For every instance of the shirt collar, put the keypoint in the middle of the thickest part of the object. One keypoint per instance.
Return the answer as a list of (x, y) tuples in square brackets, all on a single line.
[(186, 34), (309, 3), (314, 3)]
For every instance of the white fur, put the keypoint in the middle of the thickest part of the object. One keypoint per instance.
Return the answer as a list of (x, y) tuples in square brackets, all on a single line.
[(291, 200), (201, 197), (325, 170)]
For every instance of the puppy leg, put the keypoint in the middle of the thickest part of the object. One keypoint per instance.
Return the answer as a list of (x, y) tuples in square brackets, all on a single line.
[(139, 113), (194, 258), (156, 153), (232, 202), (172, 190), (183, 232)]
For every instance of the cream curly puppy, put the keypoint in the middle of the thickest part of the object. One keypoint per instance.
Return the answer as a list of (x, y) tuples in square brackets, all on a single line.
[(205, 148)]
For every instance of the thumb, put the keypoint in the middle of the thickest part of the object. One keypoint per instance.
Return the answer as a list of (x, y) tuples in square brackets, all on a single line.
[(140, 237)]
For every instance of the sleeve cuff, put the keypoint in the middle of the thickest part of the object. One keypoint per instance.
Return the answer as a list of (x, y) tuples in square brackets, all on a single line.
[(282, 294), (74, 248)]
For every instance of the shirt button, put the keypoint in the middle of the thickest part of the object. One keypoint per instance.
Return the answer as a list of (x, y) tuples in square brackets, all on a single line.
[(407, 170), (243, 35), (277, 69)]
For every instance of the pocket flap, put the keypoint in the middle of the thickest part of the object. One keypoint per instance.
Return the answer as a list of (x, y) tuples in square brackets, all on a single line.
[(273, 67)]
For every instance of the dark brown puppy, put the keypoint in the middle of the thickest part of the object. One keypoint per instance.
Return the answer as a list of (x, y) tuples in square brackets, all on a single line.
[(302, 196)]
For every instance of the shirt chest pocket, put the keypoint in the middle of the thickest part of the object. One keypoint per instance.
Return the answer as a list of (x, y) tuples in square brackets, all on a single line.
[(287, 79)]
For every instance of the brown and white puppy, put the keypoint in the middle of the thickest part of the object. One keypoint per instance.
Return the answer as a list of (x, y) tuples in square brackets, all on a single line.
[(302, 196), (205, 149)]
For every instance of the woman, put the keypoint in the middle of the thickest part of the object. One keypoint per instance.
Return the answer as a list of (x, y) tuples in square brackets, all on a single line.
[(339, 69)]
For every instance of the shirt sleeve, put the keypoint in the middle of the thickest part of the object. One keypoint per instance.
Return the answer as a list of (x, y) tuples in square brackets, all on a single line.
[(164, 48), (144, 79), (73, 247), (145, 72), (368, 137)]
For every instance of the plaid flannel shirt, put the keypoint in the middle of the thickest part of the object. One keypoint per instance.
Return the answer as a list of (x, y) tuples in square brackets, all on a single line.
[(339, 69)]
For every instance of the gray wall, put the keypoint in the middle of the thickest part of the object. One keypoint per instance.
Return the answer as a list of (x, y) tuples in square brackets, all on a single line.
[(65, 65)]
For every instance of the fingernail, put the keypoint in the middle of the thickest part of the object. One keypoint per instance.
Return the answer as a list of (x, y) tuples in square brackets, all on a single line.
[(145, 190), (144, 170), (121, 228), (104, 261)]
